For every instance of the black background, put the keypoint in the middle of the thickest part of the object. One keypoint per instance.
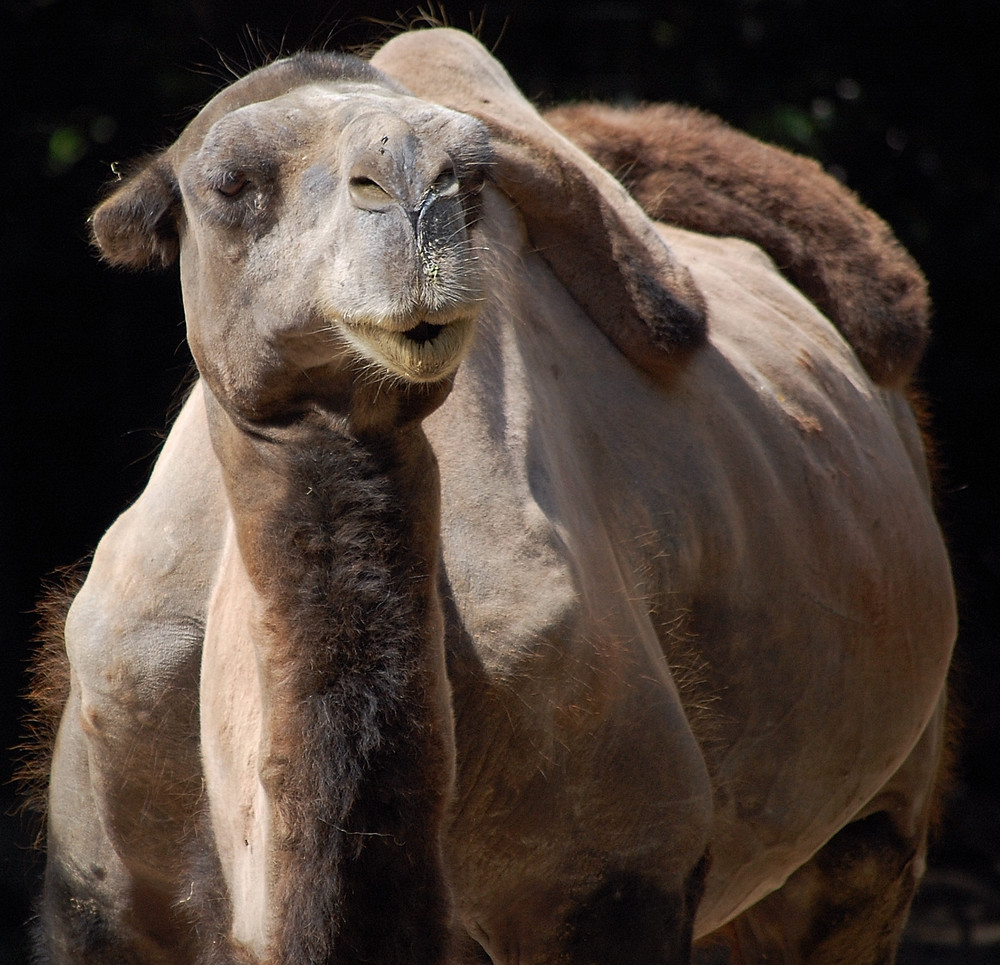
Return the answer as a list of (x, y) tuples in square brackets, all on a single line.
[(898, 98)]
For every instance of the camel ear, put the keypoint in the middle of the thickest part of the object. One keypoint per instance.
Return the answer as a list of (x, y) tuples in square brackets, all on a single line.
[(135, 226), (596, 239)]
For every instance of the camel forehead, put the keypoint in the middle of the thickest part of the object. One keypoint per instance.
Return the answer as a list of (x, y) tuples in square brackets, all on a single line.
[(321, 109), (317, 105), (317, 79)]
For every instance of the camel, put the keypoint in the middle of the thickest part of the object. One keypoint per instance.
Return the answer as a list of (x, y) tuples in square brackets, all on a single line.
[(528, 578)]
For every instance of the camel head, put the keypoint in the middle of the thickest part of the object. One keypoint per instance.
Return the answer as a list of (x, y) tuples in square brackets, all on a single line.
[(326, 225), (332, 234)]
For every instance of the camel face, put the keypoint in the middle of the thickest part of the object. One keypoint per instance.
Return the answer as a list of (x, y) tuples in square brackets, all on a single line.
[(344, 221), (324, 230)]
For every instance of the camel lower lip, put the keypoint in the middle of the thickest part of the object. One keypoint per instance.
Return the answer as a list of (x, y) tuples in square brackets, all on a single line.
[(425, 352)]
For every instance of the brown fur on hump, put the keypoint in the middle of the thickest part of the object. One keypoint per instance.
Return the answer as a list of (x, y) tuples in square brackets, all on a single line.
[(690, 169), (48, 691)]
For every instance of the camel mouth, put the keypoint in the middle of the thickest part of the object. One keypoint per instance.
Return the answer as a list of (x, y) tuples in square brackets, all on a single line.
[(427, 351), (423, 332)]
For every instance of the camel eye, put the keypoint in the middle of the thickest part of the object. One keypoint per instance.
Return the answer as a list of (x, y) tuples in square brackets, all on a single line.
[(368, 193), (446, 184), (232, 183)]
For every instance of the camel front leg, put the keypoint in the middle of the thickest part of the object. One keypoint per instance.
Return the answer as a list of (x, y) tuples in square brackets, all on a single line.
[(125, 784), (93, 908), (123, 787)]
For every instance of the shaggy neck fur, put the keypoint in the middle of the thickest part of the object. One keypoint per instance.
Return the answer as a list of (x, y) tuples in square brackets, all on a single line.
[(340, 536)]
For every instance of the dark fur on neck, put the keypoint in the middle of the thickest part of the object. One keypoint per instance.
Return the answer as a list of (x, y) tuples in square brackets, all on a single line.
[(358, 766)]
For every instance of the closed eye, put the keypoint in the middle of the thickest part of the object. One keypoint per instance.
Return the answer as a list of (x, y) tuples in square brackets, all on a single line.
[(232, 183), (368, 194)]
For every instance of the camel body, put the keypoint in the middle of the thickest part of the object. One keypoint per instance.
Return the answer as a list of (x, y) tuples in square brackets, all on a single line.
[(648, 616)]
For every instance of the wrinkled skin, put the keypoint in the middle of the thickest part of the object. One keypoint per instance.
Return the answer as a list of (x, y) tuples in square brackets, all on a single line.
[(681, 611)]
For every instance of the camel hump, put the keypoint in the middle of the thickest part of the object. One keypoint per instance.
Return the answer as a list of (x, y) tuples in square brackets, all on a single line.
[(690, 169)]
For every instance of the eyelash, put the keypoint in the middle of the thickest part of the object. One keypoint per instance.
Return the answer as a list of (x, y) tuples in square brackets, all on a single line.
[(236, 196), (233, 183)]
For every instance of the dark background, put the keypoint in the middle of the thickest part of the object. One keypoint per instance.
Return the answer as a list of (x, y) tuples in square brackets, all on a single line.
[(899, 98)]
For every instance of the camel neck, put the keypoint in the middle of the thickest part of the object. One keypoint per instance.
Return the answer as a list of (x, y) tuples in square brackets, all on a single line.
[(339, 536)]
